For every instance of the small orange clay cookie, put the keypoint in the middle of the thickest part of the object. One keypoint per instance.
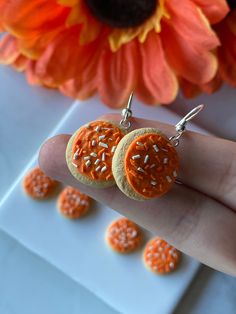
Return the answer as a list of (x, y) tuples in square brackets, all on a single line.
[(145, 164), (72, 203), (90, 151), (160, 257), (123, 236), (37, 185)]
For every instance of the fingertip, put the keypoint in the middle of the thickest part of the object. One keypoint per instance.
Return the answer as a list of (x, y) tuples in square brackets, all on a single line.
[(54, 146)]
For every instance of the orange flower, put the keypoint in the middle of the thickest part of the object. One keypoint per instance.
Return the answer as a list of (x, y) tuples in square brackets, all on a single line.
[(226, 53), (85, 46)]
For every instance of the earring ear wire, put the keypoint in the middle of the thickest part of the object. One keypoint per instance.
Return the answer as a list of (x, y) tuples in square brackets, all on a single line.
[(126, 113)]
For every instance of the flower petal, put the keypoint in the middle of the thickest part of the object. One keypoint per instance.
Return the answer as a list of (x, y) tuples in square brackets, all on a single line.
[(188, 22), (35, 23), (215, 10), (65, 59), (191, 90), (84, 84), (8, 50), (227, 51), (117, 74), (158, 83), (20, 63), (190, 62)]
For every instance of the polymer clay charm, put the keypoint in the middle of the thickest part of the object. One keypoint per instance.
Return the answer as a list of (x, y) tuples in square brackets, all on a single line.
[(90, 151), (37, 185), (146, 163), (160, 257), (72, 203), (123, 236)]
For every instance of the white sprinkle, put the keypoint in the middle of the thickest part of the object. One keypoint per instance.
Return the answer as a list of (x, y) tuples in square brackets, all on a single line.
[(76, 166), (146, 159), (163, 256), (175, 174), (155, 148), (160, 249), (83, 202), (168, 179), (104, 169), (165, 160), (103, 144), (76, 155), (97, 129), (139, 144), (101, 137), (110, 139), (106, 128), (171, 264), (103, 156), (86, 157), (88, 163), (113, 149), (152, 166), (134, 234), (87, 126), (93, 142), (97, 161), (98, 168), (93, 154), (141, 169), (136, 157), (153, 183)]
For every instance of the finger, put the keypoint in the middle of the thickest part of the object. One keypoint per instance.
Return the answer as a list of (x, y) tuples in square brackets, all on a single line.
[(194, 223), (208, 164)]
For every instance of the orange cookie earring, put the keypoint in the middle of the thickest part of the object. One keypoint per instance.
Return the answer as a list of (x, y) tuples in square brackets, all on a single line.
[(90, 150), (145, 164)]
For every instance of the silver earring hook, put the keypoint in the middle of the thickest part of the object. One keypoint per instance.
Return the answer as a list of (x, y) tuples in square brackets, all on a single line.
[(180, 127), (126, 114)]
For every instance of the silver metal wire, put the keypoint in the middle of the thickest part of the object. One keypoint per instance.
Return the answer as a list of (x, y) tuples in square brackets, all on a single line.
[(126, 114), (181, 125)]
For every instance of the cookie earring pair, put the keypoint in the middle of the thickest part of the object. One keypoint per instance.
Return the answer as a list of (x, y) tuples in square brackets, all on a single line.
[(143, 163)]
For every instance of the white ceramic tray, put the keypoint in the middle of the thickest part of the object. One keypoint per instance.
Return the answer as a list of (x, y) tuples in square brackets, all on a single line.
[(77, 247)]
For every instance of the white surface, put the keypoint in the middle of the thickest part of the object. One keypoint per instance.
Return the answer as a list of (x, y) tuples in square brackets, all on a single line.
[(27, 115), (30, 113), (30, 285), (72, 247)]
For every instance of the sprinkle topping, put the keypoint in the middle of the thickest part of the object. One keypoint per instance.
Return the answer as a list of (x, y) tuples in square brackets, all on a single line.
[(160, 257), (37, 185), (157, 163), (94, 147), (123, 235), (72, 203)]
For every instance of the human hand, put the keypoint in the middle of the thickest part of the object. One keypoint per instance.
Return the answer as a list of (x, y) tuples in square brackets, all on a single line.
[(198, 217)]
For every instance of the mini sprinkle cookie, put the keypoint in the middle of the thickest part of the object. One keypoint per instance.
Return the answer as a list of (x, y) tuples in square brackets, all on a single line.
[(123, 236), (37, 185), (160, 257), (90, 152), (145, 164), (72, 203)]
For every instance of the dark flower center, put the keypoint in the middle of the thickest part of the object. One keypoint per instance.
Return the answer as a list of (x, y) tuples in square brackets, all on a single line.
[(232, 4), (122, 13)]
